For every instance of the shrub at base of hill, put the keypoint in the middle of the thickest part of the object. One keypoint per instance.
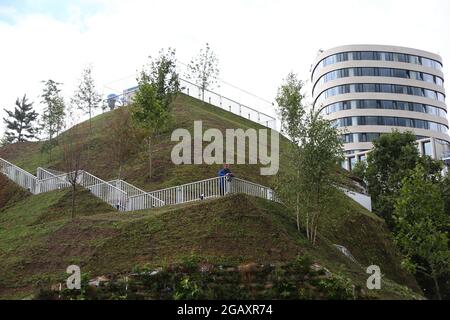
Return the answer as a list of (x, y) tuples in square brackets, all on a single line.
[(294, 280)]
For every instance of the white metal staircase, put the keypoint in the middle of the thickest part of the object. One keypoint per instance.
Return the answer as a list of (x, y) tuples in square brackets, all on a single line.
[(125, 197)]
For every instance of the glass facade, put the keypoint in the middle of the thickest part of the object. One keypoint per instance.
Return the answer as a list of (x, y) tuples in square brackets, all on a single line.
[(390, 121), (365, 137), (384, 104), (380, 72), (427, 149), (381, 88), (378, 56)]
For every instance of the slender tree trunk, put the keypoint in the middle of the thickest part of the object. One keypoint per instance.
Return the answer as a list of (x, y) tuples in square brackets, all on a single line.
[(74, 187), (50, 147), (120, 170), (438, 290), (90, 120), (150, 157), (307, 225), (298, 212), (315, 235)]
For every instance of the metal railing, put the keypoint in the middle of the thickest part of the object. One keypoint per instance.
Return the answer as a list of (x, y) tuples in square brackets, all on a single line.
[(42, 173), (138, 199), (125, 197), (199, 190), (23, 178), (227, 104), (104, 190), (216, 99), (53, 183), (253, 189)]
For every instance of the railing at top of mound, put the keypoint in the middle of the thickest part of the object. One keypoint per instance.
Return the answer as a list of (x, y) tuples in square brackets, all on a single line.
[(209, 96)]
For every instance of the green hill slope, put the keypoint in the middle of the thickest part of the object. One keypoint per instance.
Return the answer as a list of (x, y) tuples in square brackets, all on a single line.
[(100, 161), (38, 241)]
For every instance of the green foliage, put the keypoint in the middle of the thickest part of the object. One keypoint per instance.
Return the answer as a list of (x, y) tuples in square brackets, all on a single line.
[(86, 98), (203, 69), (302, 264), (321, 151), (187, 289), (149, 112), (309, 177), (33, 233), (163, 75), (20, 123), (359, 170), (52, 120), (420, 221), (445, 190), (393, 157), (291, 110), (157, 88), (337, 287)]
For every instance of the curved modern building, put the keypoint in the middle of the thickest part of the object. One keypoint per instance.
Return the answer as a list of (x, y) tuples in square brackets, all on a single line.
[(368, 90)]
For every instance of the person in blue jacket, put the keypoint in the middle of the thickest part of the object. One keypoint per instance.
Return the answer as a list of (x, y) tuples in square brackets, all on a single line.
[(227, 175)]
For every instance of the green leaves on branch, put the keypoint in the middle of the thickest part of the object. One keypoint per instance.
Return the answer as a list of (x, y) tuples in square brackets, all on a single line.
[(158, 85), (203, 69), (86, 98), (308, 181), (20, 122), (391, 160), (420, 223)]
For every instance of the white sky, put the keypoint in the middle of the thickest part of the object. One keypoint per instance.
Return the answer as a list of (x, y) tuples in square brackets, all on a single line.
[(258, 42)]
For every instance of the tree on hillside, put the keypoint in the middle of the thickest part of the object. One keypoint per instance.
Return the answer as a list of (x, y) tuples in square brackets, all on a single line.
[(321, 151), (163, 75), (420, 222), (157, 87), (307, 183), (123, 138), (203, 69), (291, 110), (393, 157), (74, 146), (86, 98), (52, 119), (20, 122)]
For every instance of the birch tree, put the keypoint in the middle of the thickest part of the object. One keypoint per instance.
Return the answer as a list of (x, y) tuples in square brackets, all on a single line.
[(86, 98), (308, 181), (52, 119), (291, 110), (203, 69)]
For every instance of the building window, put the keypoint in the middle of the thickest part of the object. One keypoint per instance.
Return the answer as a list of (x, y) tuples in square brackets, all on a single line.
[(427, 148)]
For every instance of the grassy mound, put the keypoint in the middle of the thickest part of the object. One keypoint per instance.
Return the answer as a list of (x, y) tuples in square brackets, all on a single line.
[(38, 240)]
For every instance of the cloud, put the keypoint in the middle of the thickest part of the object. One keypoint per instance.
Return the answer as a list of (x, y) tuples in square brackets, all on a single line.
[(258, 42)]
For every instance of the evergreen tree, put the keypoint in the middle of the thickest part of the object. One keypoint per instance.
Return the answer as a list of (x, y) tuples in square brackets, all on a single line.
[(20, 123)]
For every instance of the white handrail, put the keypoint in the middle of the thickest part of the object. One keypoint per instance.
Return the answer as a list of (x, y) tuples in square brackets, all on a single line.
[(125, 197)]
